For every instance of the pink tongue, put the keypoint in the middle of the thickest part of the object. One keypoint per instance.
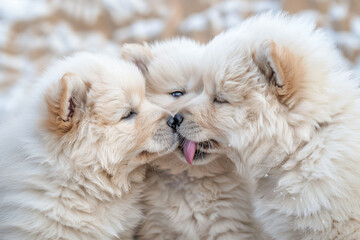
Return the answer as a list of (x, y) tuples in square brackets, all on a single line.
[(189, 151)]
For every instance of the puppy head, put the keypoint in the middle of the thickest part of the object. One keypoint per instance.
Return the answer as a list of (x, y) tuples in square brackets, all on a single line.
[(171, 68), (173, 77), (267, 81), (99, 118)]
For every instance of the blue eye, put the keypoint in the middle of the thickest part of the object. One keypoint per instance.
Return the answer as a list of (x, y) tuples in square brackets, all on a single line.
[(177, 94)]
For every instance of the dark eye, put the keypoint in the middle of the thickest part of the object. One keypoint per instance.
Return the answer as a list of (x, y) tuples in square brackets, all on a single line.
[(129, 115), (177, 94), (218, 99)]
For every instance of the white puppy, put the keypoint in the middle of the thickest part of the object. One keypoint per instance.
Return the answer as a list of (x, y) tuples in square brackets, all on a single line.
[(72, 162), (281, 95), (204, 200)]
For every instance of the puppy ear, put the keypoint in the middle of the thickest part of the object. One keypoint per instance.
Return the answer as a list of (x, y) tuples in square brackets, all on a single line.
[(280, 67), (64, 100), (139, 54)]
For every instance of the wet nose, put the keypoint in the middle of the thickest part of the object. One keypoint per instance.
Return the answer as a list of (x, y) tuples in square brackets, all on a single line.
[(175, 121)]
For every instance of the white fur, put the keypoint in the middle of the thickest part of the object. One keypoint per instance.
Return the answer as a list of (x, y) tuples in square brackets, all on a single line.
[(204, 201), (304, 154), (87, 182)]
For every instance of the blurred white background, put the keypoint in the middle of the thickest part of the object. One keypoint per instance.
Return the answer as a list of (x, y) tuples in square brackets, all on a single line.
[(35, 32)]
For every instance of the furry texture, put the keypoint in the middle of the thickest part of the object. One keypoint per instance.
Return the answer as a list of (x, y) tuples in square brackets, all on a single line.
[(281, 96), (72, 161), (206, 200)]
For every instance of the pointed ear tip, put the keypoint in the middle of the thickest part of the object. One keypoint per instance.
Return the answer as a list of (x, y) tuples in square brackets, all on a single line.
[(266, 46), (145, 45), (139, 54), (137, 48), (132, 46), (69, 75), (71, 79), (128, 46), (130, 50), (268, 42)]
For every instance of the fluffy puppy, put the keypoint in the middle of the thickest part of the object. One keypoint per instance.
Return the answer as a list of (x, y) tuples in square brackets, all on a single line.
[(193, 193), (281, 96), (72, 162)]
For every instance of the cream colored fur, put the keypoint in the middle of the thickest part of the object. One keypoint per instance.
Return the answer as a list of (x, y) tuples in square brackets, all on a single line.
[(207, 200), (289, 109), (72, 160)]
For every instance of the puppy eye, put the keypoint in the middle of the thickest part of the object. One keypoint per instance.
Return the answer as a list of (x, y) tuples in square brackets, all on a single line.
[(129, 115), (218, 99), (177, 94)]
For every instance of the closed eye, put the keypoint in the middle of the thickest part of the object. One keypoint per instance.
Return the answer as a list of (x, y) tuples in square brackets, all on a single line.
[(128, 115), (218, 99), (177, 94)]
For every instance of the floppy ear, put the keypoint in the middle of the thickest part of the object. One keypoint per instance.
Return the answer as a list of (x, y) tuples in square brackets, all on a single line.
[(280, 67), (64, 100), (139, 54)]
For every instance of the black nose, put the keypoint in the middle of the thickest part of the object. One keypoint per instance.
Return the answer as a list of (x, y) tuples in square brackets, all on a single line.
[(171, 122), (178, 119), (175, 121)]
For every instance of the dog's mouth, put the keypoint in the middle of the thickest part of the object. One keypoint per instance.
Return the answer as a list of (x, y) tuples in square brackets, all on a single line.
[(193, 151)]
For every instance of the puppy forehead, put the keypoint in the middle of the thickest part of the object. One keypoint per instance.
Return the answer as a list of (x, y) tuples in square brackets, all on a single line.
[(176, 64), (123, 93), (103, 69), (117, 82), (227, 69), (123, 74), (216, 77)]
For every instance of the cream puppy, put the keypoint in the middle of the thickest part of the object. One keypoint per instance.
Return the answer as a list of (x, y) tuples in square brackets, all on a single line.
[(281, 95), (72, 162), (193, 193)]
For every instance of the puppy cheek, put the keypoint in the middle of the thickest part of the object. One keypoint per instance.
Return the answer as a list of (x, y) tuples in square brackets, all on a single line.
[(152, 131)]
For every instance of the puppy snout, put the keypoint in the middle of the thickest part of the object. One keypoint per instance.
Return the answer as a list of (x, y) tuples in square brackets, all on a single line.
[(175, 121)]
